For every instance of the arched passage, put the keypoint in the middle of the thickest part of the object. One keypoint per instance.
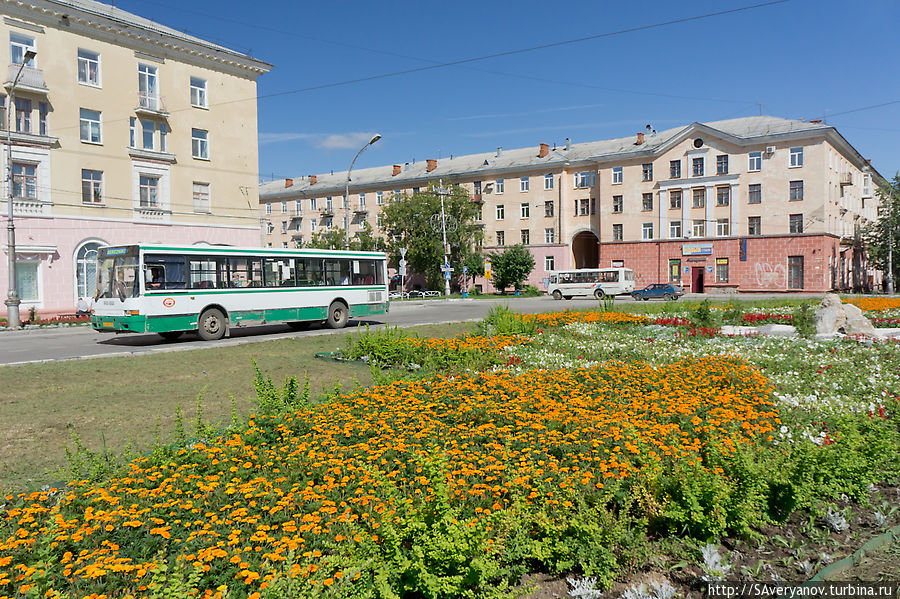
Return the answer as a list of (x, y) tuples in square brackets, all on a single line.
[(586, 250)]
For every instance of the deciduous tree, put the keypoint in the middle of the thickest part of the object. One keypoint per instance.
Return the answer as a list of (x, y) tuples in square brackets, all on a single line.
[(511, 266)]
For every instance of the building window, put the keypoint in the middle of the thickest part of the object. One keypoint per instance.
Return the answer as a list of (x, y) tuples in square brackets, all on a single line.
[(149, 191), (617, 232), (755, 163), (526, 237), (795, 272), (24, 181), (270, 228), (498, 185), (647, 231), (754, 226), (548, 208), (699, 197), (697, 166), (501, 238), (90, 126), (23, 115), (722, 164), (524, 210), (268, 208), (675, 229), (329, 203), (132, 132), (86, 270), (201, 197), (284, 226), (43, 109), (548, 182), (523, 184), (698, 228), (647, 171), (379, 221), (585, 179), (500, 211), (313, 225), (362, 200), (27, 280), (647, 202), (796, 223), (675, 199), (796, 190), (722, 227), (200, 144), (721, 270), (549, 235), (18, 46), (796, 157), (477, 188), (198, 92), (88, 68), (91, 186), (549, 263), (755, 194), (379, 197), (312, 203), (617, 175), (675, 271), (593, 206), (618, 204), (584, 207), (675, 169), (148, 88), (148, 134), (723, 196)]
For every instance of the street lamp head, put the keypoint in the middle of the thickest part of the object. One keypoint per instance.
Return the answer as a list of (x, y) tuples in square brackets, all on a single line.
[(29, 56), (375, 138)]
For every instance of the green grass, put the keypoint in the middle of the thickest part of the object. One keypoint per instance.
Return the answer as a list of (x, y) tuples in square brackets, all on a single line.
[(114, 402)]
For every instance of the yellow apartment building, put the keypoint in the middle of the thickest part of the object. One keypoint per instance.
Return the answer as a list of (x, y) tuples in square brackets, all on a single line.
[(121, 130), (748, 204)]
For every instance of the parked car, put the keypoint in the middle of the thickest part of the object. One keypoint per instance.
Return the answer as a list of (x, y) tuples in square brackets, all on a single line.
[(665, 291)]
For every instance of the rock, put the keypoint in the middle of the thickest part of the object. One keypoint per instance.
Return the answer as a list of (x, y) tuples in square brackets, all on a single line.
[(830, 317), (857, 324), (728, 329), (777, 330)]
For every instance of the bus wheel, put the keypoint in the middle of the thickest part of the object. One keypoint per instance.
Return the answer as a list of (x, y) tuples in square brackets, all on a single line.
[(212, 326), (338, 315), (599, 294), (171, 335), (299, 325), (557, 295)]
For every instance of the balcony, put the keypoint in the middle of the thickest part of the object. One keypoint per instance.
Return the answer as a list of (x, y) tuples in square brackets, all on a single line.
[(476, 197), (151, 104), (31, 79), (846, 179), (361, 210), (327, 211), (297, 236)]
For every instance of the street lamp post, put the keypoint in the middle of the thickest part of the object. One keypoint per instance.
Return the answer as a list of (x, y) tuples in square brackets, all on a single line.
[(375, 138), (12, 296)]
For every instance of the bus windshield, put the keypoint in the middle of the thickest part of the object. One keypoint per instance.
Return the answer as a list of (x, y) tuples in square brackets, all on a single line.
[(117, 273)]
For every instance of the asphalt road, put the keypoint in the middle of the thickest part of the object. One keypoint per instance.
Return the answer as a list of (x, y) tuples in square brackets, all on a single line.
[(40, 345)]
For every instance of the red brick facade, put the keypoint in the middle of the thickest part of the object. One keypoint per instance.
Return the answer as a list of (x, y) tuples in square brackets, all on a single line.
[(764, 265)]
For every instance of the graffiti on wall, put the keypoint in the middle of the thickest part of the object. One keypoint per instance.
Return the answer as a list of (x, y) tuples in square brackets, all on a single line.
[(768, 276)]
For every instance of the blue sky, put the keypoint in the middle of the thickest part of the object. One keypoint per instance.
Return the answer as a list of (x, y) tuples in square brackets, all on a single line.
[(799, 59)]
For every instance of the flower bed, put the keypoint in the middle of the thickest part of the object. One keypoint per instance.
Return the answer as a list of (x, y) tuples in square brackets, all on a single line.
[(874, 304), (323, 495)]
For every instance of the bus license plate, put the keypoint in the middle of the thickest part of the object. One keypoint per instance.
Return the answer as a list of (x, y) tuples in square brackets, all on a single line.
[(108, 324)]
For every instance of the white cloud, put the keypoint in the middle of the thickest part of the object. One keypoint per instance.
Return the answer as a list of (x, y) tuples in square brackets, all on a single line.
[(274, 138), (344, 141)]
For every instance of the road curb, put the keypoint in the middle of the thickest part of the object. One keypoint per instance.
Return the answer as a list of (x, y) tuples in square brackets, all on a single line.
[(840, 567)]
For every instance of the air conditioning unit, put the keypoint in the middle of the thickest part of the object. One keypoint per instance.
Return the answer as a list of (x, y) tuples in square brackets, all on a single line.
[(770, 150)]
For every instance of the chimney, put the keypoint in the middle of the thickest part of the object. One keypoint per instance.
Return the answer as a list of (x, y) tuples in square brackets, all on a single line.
[(432, 164), (499, 150), (545, 149), (640, 138), (312, 179), (568, 143), (396, 170), (816, 121), (288, 182)]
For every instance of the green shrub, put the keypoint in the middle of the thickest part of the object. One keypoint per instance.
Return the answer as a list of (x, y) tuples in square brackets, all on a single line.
[(804, 320), (702, 316), (733, 315), (501, 320), (272, 400)]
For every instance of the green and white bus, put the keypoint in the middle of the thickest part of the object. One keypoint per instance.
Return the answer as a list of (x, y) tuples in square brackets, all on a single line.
[(209, 289)]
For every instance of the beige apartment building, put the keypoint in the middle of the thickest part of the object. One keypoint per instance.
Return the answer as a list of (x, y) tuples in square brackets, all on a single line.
[(748, 204), (122, 131)]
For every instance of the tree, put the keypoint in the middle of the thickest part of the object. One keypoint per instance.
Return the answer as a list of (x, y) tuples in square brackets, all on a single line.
[(884, 235), (512, 266), (333, 239), (474, 263), (409, 222)]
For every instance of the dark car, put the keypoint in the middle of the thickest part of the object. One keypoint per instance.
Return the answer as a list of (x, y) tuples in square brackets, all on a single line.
[(665, 291)]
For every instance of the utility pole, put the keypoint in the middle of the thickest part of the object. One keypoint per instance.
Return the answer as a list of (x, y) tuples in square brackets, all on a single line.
[(441, 191)]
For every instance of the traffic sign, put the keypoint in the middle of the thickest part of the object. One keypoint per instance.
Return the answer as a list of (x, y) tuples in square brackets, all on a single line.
[(403, 252), (402, 262), (402, 271), (465, 270)]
